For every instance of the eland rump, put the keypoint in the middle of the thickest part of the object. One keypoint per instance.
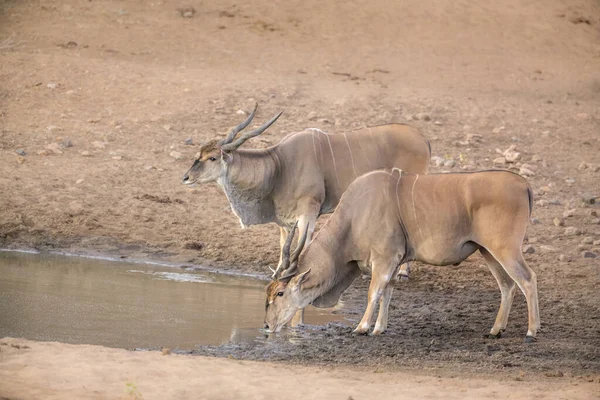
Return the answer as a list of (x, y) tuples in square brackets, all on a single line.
[(305, 174), (388, 218)]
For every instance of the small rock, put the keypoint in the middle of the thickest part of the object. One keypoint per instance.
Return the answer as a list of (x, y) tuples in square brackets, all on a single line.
[(564, 258), (554, 202), (449, 163), (536, 158), (535, 221), (149, 167), (587, 240), (589, 199), (338, 122), (526, 171), (21, 152), (596, 242), (188, 142), (437, 161), (423, 117), (86, 153), (437, 123), (176, 155), (570, 181), (548, 249), (593, 213), (558, 222), (529, 249), (117, 158), (187, 12), (52, 85), (42, 152), (569, 213), (54, 148), (167, 127), (408, 117), (165, 351), (572, 231), (79, 181), (312, 116), (99, 145), (240, 112), (500, 161), (588, 254), (595, 221), (511, 155), (473, 137), (66, 143), (498, 129), (532, 240), (583, 166)]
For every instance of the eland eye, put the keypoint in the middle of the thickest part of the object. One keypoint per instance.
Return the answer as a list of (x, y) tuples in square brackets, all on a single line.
[(279, 293), (212, 159)]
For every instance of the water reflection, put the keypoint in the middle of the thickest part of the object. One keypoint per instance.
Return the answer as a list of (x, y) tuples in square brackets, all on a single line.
[(76, 300)]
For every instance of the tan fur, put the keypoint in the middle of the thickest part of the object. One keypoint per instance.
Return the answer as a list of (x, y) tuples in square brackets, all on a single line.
[(385, 219)]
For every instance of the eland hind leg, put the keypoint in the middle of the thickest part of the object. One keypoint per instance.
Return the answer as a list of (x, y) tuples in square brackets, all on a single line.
[(515, 266), (384, 307), (507, 290)]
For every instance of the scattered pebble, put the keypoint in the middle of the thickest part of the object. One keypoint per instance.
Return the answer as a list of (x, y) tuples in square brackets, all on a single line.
[(437, 161), (149, 167), (449, 163), (535, 221), (498, 129), (564, 258), (167, 127), (558, 222), (117, 158), (166, 351), (511, 155), (312, 116), (541, 203), (21, 152), (554, 202), (52, 85), (589, 199), (596, 243), (572, 231), (593, 213), (54, 148), (536, 158), (595, 221), (188, 142), (588, 254), (79, 181), (176, 155), (587, 240), (98, 144), (423, 116), (570, 181), (66, 143), (529, 249), (86, 153), (548, 249), (500, 161), (526, 171), (569, 213)]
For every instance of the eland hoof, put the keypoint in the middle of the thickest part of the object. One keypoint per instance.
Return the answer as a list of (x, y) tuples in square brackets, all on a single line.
[(492, 336), (530, 339)]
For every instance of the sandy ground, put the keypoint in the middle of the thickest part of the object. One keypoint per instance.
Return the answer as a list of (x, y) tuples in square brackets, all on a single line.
[(32, 370), (98, 98)]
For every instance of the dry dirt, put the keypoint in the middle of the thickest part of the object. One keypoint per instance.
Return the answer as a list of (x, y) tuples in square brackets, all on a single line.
[(52, 370), (101, 95)]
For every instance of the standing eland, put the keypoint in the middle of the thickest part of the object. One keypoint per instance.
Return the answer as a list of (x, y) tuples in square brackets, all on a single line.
[(388, 218), (305, 174)]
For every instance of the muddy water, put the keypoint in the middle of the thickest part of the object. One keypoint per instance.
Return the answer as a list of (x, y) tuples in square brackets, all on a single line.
[(79, 300)]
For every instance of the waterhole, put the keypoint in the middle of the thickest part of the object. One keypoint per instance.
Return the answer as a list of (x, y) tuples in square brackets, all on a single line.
[(129, 305)]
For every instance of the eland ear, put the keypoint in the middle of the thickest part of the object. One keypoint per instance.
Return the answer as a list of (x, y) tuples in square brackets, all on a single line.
[(226, 156), (298, 280)]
